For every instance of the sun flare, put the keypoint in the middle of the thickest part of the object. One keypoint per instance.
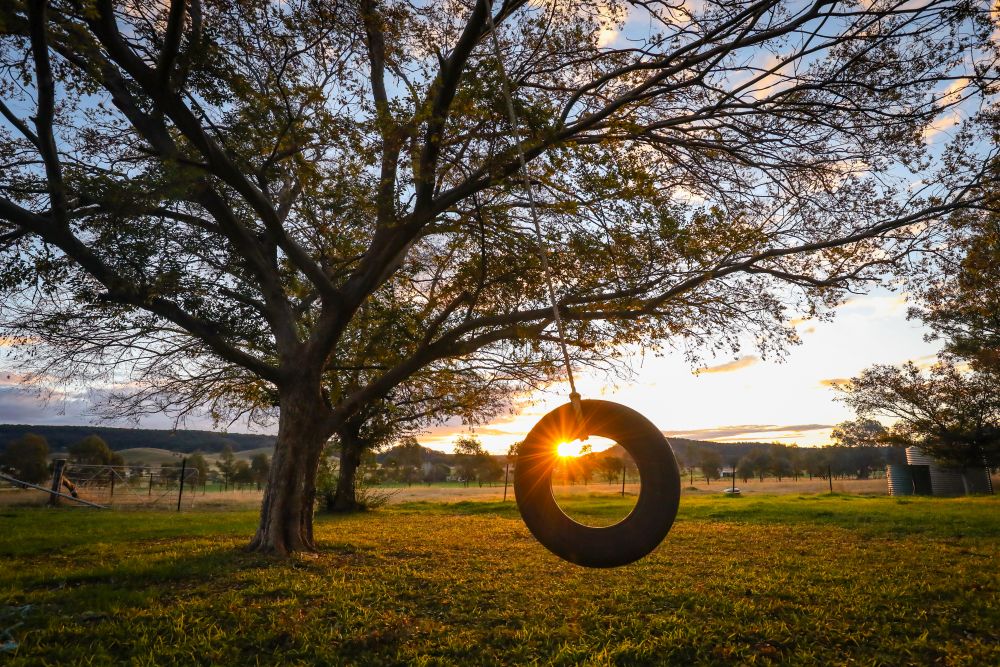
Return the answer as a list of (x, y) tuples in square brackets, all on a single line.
[(575, 448)]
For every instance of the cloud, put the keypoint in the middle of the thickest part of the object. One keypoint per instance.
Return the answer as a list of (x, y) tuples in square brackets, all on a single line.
[(740, 432), (18, 406), (731, 366), (16, 341), (833, 382)]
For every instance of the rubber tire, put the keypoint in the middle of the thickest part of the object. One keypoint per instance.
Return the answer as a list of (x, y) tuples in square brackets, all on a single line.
[(631, 538)]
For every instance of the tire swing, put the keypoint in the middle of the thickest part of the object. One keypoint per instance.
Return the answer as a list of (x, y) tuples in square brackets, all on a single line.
[(650, 520)]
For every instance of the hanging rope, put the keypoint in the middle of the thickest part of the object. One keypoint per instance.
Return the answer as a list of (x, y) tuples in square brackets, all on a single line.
[(574, 396)]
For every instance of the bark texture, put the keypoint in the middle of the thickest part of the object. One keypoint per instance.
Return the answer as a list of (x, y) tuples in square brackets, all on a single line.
[(345, 498), (286, 517)]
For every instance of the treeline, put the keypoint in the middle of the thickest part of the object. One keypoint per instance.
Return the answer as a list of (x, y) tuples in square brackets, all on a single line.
[(60, 438), (695, 458), (777, 460)]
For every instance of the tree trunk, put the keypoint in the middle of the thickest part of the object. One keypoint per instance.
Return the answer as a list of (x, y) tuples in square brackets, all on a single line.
[(286, 515), (345, 499)]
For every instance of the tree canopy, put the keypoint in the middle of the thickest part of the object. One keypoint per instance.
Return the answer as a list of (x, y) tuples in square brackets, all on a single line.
[(959, 290), (951, 414), (26, 458)]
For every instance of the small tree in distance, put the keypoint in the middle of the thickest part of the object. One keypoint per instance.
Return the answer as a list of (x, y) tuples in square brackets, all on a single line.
[(260, 465), (469, 458), (227, 465), (197, 462), (710, 464), (93, 450), (26, 458)]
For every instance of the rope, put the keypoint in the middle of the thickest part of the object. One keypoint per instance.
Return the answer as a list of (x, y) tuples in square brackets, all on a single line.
[(574, 396)]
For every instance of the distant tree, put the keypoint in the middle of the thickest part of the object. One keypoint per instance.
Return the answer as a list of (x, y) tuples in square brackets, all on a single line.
[(242, 474), (488, 469), (586, 466), (198, 463), (227, 464), (816, 461), (864, 461), (710, 463), (170, 471), (409, 457), (326, 478), (93, 450), (469, 454), (260, 465), (436, 472), (609, 467), (952, 415), (858, 433), (797, 460), (26, 458), (756, 463), (778, 463), (745, 468)]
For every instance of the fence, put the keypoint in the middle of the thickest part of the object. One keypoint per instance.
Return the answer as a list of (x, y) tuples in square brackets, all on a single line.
[(106, 486), (133, 485)]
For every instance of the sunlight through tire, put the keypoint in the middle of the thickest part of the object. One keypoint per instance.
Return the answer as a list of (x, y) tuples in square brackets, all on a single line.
[(611, 546)]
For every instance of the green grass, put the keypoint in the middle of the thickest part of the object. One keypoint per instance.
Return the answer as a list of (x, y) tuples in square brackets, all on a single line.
[(800, 580), (150, 456)]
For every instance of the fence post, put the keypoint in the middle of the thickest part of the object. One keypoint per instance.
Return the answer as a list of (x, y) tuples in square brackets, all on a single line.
[(180, 492), (829, 477), (506, 476), (57, 475), (623, 478), (112, 484), (150, 492)]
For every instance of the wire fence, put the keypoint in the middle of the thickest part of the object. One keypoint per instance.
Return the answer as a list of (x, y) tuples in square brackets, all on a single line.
[(107, 486), (133, 485)]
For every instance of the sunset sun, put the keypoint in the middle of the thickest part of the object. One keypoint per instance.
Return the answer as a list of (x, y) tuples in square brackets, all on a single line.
[(574, 448)]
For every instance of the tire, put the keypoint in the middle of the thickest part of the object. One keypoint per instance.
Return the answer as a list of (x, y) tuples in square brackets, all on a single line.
[(631, 538)]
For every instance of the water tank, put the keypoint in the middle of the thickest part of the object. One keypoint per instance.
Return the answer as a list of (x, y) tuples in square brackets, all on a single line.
[(900, 479), (944, 481)]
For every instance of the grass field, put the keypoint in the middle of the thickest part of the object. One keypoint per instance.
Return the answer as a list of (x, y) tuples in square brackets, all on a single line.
[(752, 580)]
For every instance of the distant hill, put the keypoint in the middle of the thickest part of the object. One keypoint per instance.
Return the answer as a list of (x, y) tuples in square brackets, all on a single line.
[(429, 456), (152, 446), (153, 456), (184, 441)]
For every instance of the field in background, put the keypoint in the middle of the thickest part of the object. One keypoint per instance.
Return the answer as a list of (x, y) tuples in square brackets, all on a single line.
[(751, 580), (154, 456), (213, 497)]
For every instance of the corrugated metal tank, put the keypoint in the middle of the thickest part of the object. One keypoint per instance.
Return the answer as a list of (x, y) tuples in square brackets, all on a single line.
[(900, 480), (947, 482)]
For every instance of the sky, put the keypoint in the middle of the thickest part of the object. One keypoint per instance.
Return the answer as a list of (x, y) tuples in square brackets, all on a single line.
[(732, 399)]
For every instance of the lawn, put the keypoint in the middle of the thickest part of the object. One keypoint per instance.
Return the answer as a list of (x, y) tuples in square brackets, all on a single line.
[(800, 579)]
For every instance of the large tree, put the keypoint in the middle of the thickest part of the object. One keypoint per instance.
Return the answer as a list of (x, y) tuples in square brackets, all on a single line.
[(208, 202), (951, 413), (959, 290)]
